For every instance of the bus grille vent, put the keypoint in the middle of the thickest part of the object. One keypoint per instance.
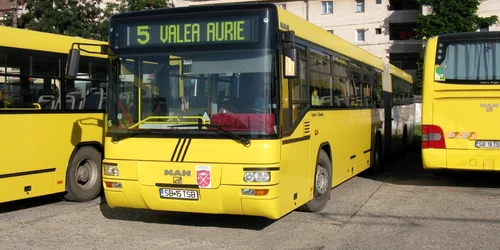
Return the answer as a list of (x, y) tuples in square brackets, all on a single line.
[(307, 128)]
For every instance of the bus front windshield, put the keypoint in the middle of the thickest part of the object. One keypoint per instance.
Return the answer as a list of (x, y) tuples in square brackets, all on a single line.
[(195, 91)]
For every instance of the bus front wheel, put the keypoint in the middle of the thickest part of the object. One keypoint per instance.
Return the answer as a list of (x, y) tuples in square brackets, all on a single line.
[(84, 175), (322, 184)]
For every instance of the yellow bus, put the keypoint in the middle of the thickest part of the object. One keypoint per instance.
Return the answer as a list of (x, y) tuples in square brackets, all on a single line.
[(243, 109), (51, 129), (460, 102)]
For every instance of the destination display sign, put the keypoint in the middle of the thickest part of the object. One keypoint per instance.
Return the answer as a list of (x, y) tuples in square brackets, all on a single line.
[(193, 31)]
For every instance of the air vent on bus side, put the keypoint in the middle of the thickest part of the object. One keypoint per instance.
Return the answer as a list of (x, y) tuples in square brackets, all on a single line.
[(307, 128)]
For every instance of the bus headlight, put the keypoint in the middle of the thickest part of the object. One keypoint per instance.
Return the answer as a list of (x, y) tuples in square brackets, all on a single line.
[(257, 176), (111, 170)]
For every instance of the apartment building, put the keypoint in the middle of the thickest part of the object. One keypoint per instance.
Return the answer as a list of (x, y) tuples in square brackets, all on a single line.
[(5, 6)]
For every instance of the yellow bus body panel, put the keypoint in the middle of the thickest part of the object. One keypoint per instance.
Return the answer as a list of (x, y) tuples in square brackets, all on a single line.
[(43, 147), (142, 163)]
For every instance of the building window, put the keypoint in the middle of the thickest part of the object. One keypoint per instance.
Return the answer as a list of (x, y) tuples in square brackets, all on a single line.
[(360, 5), (378, 31), (327, 7), (378, 1), (331, 31), (360, 35), (281, 5)]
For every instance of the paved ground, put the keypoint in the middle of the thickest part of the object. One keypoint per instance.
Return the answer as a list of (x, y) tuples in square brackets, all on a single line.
[(402, 208)]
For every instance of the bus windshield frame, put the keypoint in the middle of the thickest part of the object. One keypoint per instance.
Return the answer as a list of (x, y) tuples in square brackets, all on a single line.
[(210, 83)]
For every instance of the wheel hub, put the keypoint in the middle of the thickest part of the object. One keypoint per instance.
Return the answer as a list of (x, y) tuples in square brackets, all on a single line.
[(321, 180), (84, 173)]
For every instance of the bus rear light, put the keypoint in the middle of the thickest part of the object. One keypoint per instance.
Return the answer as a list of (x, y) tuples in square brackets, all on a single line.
[(432, 137), (254, 192), (113, 185)]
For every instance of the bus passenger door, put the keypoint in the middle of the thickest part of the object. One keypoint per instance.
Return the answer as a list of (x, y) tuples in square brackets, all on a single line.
[(296, 168)]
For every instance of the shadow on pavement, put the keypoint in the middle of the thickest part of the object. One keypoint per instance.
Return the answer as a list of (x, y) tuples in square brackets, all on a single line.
[(29, 203), (184, 219), (408, 170)]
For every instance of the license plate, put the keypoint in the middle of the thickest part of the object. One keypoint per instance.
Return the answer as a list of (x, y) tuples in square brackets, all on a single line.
[(179, 194), (487, 144)]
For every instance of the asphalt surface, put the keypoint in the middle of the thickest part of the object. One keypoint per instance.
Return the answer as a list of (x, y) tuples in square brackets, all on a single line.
[(404, 207)]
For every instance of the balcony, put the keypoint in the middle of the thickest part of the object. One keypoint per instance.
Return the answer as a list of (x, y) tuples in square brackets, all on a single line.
[(403, 16), (403, 11), (402, 38), (403, 5), (405, 46)]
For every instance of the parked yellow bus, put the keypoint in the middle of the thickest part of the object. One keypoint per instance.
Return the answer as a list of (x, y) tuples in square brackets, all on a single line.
[(51, 129), (243, 109), (460, 102)]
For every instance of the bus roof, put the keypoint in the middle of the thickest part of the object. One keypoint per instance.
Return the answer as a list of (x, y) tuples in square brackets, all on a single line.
[(303, 28), (400, 73), (219, 7), (320, 36), (458, 36), (42, 41)]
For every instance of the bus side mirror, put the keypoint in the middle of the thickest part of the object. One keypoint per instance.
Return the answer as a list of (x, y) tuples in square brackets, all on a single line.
[(291, 63), (73, 63)]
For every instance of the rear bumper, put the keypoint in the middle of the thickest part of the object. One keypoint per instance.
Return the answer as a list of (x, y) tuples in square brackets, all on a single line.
[(226, 199), (461, 159), (434, 158)]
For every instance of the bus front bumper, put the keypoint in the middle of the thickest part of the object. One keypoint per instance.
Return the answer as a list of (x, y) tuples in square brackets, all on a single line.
[(225, 199)]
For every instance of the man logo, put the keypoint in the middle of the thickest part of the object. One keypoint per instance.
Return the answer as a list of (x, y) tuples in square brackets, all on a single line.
[(177, 172), (489, 106), (178, 180)]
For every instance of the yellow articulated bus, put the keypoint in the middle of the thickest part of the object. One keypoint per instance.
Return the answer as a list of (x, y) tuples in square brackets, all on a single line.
[(460, 102), (242, 109), (52, 129)]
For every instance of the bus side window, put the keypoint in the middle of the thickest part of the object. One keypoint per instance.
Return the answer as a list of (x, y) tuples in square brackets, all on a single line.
[(340, 83)]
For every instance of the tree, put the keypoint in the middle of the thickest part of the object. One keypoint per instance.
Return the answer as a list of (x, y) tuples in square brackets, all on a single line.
[(81, 18), (448, 16), (65, 17), (128, 6)]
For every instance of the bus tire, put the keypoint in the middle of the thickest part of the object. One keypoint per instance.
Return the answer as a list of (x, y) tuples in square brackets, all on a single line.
[(322, 184), (377, 157), (404, 146), (84, 176)]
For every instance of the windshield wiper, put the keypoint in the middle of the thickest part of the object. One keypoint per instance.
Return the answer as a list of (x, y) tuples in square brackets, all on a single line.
[(232, 135)]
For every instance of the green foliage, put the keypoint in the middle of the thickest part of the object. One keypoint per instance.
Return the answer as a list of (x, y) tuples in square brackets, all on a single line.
[(448, 16), (76, 17), (127, 6), (66, 17)]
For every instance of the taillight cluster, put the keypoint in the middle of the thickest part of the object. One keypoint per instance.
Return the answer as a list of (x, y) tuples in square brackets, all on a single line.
[(432, 137)]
